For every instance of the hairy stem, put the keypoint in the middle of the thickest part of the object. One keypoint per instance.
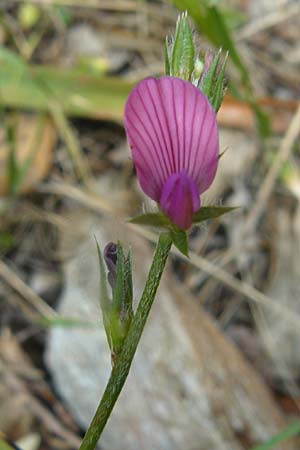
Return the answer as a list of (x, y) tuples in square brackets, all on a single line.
[(122, 366)]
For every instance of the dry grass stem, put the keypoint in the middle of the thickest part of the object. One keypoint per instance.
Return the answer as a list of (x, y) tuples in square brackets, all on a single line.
[(18, 285), (266, 188), (269, 20)]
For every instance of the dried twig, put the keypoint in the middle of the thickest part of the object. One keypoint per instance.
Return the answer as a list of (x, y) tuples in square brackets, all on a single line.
[(268, 184), (269, 20), (38, 409), (15, 282)]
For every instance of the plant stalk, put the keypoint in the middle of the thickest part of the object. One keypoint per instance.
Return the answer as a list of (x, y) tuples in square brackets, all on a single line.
[(122, 366)]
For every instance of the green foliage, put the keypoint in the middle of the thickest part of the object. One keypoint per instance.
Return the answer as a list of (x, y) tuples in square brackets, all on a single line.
[(15, 64), (183, 50), (36, 87), (4, 445), (210, 21), (213, 22), (117, 311), (7, 241), (64, 322), (289, 432), (167, 57), (13, 170), (162, 222), (63, 13), (180, 240), (28, 15), (179, 237), (211, 212), (220, 88), (212, 81), (182, 61), (158, 220)]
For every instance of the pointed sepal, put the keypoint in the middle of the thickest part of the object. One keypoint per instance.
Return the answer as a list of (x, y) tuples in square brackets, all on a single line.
[(180, 240), (156, 220), (180, 50), (117, 311), (105, 301), (212, 80), (211, 212)]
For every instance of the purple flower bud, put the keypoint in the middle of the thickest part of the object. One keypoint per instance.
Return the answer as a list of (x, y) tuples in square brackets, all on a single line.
[(111, 258), (173, 133)]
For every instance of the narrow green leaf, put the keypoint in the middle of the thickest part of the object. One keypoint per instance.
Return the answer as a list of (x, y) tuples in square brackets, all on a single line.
[(288, 433), (183, 53), (167, 58), (208, 83), (211, 212), (152, 220), (118, 291), (222, 36), (177, 48), (188, 55), (12, 164), (220, 87), (122, 311), (128, 297), (105, 302), (180, 240), (262, 119)]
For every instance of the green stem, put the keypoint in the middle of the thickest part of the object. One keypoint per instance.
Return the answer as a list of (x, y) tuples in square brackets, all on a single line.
[(122, 366)]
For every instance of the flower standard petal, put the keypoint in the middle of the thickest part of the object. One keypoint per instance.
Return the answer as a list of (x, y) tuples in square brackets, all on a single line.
[(172, 129)]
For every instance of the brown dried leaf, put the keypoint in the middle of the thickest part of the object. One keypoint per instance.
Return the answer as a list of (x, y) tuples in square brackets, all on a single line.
[(42, 150)]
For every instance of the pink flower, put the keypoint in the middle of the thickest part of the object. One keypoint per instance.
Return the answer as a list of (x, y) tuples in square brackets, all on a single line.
[(173, 134)]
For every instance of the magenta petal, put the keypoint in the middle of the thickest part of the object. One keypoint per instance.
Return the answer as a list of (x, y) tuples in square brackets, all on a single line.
[(180, 199), (171, 127)]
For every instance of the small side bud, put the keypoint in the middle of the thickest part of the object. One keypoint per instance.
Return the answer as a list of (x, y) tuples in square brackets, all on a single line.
[(182, 61), (111, 258), (117, 311), (212, 80)]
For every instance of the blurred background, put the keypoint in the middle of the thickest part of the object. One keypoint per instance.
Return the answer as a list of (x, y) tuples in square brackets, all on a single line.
[(219, 364)]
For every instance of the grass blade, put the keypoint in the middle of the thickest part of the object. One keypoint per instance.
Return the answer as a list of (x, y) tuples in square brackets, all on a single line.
[(288, 433)]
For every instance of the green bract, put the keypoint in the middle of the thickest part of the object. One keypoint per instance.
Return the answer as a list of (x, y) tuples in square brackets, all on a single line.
[(207, 73), (117, 312), (179, 237)]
